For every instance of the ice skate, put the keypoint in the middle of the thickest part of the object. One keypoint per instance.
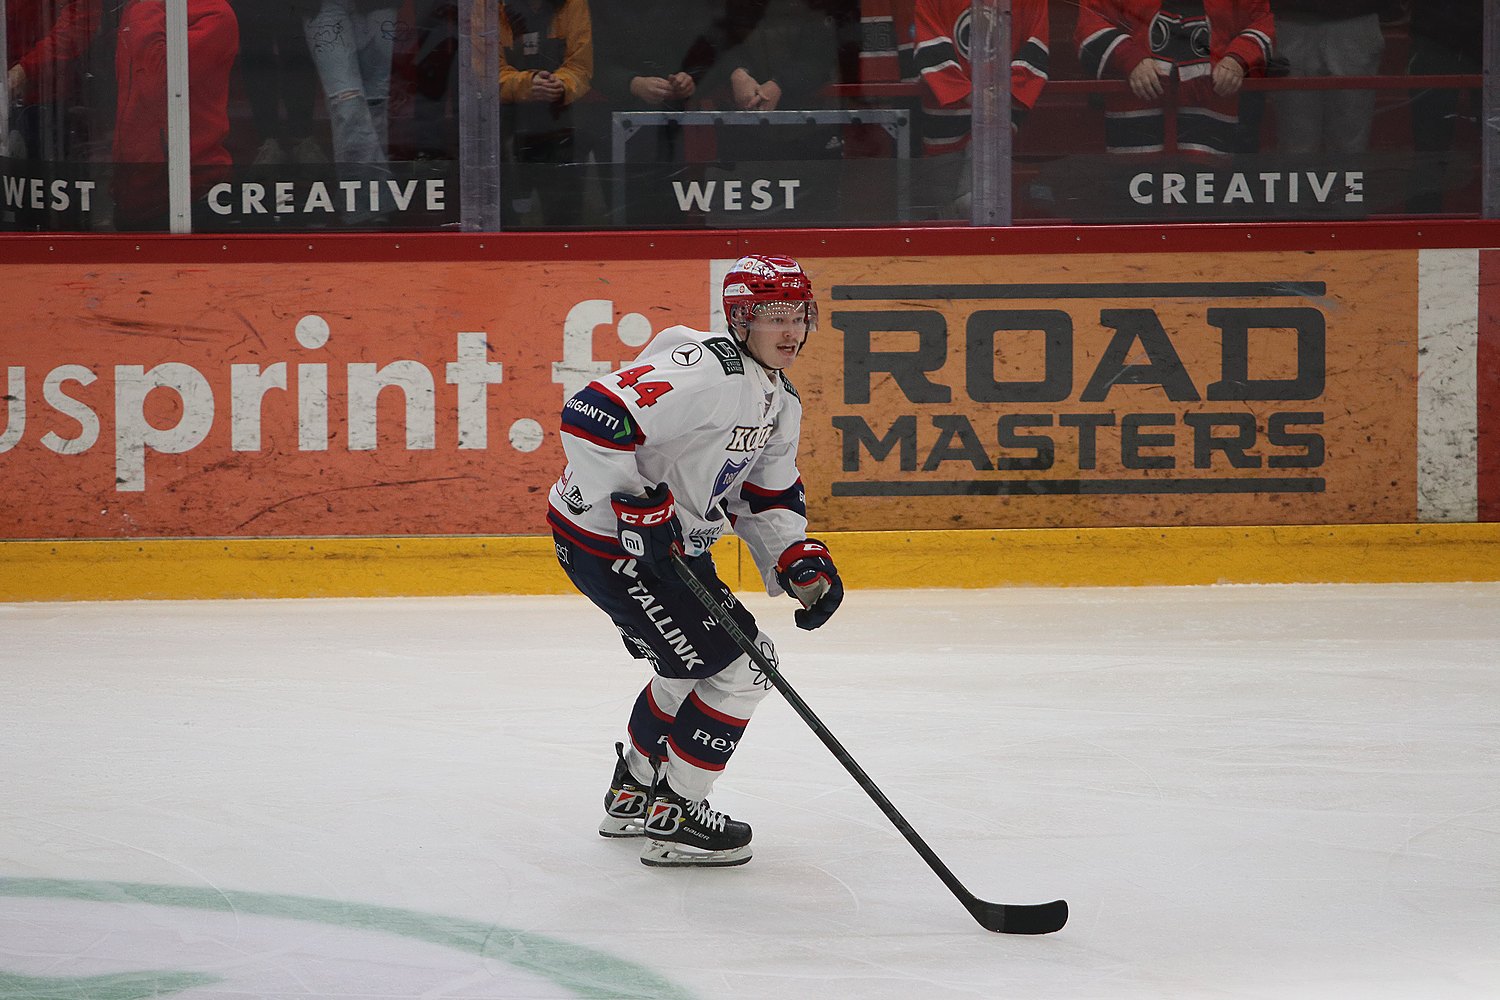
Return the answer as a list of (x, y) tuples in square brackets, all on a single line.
[(625, 802), (687, 833)]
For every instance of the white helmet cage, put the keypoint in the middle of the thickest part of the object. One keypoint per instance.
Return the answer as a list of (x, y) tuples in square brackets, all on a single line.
[(761, 285)]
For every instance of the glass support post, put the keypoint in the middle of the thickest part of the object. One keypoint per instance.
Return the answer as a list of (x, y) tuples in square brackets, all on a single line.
[(479, 115), (179, 139), (1490, 114), (990, 145), (4, 85)]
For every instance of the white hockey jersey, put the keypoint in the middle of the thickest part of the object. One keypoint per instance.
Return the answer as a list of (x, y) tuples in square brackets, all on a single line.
[(692, 411)]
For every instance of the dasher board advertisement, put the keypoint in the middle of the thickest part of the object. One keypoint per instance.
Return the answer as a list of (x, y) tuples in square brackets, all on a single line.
[(325, 398), (1099, 390)]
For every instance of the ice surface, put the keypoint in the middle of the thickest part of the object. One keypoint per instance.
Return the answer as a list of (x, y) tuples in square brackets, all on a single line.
[(1243, 792)]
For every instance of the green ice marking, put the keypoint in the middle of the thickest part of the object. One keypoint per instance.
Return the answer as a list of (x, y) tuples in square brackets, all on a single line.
[(590, 974), (125, 986)]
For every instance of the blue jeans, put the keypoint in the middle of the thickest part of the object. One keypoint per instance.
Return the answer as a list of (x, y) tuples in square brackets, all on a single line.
[(351, 47)]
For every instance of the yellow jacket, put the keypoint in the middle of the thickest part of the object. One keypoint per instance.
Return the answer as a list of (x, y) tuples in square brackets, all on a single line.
[(565, 46)]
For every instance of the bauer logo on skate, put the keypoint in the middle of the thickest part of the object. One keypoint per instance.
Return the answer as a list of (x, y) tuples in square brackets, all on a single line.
[(1089, 390)]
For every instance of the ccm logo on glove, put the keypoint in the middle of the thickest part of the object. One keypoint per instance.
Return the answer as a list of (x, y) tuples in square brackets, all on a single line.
[(648, 527), (806, 572)]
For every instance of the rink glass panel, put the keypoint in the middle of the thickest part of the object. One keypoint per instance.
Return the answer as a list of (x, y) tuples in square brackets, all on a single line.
[(332, 116), (59, 116)]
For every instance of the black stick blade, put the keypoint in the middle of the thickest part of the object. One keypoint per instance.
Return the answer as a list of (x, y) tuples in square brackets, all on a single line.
[(1017, 918)]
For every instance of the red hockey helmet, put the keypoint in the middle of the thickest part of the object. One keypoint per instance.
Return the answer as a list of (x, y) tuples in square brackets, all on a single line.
[(759, 284)]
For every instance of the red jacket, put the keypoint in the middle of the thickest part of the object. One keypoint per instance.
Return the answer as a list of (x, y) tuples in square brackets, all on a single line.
[(47, 51), (140, 137), (25, 22)]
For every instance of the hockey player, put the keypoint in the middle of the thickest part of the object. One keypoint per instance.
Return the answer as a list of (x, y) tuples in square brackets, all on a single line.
[(697, 435)]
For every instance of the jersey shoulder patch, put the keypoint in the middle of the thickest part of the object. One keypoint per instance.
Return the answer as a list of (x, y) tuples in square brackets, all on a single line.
[(728, 354), (786, 384)]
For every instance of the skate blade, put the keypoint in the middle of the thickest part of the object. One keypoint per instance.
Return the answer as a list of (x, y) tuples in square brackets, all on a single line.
[(621, 828), (661, 854)]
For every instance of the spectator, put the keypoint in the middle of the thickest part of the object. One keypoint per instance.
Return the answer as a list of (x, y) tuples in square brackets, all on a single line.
[(139, 148), (651, 55), (789, 55), (1201, 49), (1322, 38), (351, 43), (886, 41), (942, 60), (433, 129), (1446, 38), (280, 82), (26, 120), (546, 63), (784, 63)]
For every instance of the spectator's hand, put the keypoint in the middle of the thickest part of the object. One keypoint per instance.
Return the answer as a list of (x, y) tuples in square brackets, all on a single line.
[(770, 93), (746, 90), (1228, 76), (546, 87), (682, 85), (653, 90), (16, 79), (1144, 81)]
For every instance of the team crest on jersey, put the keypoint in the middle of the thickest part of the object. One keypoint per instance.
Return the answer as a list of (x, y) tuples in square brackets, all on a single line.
[(962, 31), (727, 475), (1167, 28), (748, 438)]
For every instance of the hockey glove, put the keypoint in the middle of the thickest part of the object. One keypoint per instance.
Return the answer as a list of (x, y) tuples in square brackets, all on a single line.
[(648, 527), (806, 571)]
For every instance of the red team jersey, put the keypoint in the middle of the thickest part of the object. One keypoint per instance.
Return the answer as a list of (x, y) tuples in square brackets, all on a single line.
[(1186, 38), (942, 61)]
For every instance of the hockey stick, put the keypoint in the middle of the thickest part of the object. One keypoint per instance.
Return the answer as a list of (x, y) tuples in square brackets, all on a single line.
[(1004, 918)]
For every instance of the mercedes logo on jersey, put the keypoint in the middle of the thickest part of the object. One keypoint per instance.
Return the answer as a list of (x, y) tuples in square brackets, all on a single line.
[(687, 354)]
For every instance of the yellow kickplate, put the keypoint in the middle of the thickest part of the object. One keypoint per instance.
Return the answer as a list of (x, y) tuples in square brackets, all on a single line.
[(1046, 557)]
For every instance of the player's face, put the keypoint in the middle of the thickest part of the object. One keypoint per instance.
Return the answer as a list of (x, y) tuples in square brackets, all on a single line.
[(776, 339)]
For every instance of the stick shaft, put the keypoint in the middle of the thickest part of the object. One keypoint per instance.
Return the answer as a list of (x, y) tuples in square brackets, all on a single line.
[(712, 605)]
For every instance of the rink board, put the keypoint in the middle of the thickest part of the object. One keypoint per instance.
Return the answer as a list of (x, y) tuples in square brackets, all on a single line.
[(259, 410)]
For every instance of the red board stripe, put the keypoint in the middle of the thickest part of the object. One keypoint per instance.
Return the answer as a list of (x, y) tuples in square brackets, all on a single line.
[(1487, 386)]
